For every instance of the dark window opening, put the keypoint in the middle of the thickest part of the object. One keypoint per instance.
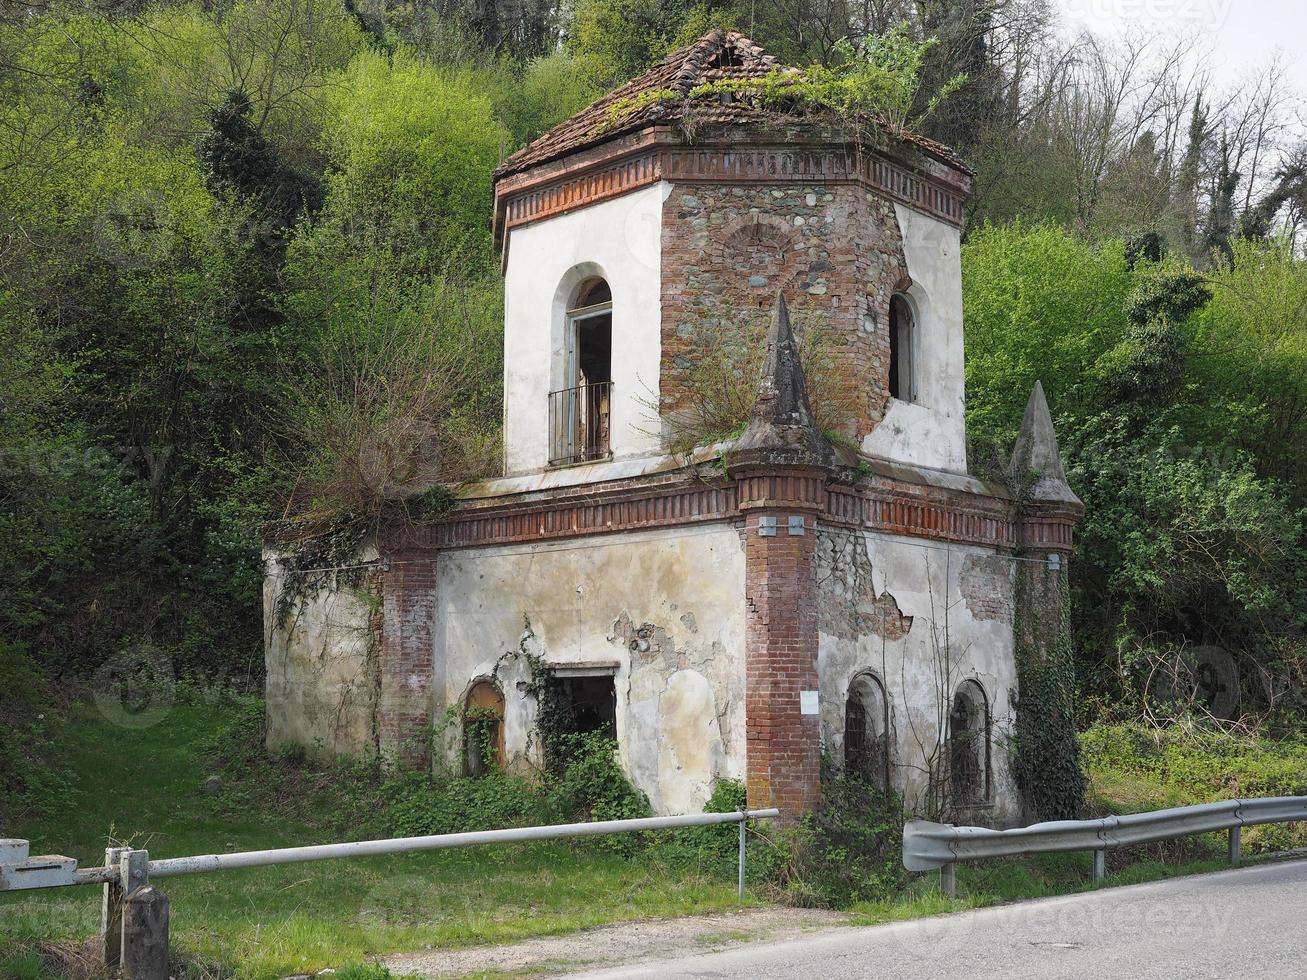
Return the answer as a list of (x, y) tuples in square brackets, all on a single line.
[(590, 704), (579, 412), (968, 746), (866, 732), (901, 330)]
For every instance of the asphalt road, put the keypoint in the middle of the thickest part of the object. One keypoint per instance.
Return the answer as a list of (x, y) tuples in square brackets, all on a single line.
[(1247, 923)]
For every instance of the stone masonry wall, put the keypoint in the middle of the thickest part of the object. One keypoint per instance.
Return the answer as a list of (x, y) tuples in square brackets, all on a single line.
[(836, 251)]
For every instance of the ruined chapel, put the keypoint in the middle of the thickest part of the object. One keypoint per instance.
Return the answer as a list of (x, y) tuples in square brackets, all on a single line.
[(783, 599)]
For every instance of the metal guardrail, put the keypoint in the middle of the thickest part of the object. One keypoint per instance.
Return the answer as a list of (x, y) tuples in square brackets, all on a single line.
[(134, 923), (927, 845)]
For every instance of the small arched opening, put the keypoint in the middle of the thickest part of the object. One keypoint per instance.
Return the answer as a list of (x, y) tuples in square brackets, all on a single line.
[(969, 745), (902, 349), (483, 729), (866, 731)]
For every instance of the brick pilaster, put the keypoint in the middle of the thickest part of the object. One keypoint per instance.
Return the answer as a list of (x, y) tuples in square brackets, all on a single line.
[(406, 656), (783, 745)]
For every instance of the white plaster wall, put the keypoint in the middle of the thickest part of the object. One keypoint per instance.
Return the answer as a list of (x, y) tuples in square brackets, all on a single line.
[(926, 580), (932, 430), (619, 239), (680, 691), (321, 687)]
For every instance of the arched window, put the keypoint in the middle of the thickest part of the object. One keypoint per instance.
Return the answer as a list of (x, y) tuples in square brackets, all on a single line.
[(902, 338), (579, 411), (866, 731), (968, 745), (483, 729)]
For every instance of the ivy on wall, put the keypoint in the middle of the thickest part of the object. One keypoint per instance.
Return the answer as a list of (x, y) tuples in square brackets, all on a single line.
[(1046, 751)]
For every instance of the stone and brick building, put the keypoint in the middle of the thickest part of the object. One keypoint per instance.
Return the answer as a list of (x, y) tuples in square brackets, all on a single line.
[(745, 609)]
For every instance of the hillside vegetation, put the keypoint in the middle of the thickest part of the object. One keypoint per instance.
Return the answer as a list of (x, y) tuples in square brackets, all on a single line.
[(246, 274)]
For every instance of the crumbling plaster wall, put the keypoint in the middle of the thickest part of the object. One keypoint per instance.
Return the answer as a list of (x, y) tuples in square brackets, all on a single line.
[(664, 608), (320, 652), (902, 609), (931, 430)]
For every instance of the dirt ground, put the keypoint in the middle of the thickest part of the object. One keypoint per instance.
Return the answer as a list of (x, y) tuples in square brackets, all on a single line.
[(616, 944)]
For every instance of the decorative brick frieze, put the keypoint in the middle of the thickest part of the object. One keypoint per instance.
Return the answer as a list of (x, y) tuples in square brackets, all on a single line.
[(631, 505), (926, 512), (658, 153), (567, 516), (1047, 531), (783, 489)]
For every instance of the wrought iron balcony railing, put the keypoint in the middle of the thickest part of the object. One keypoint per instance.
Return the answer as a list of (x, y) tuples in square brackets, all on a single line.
[(578, 424)]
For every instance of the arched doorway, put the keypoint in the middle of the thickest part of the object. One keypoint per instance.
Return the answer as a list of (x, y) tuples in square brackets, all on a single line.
[(483, 729)]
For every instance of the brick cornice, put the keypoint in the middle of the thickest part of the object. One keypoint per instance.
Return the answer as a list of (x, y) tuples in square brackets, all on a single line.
[(1047, 527), (886, 506), (801, 488), (738, 156)]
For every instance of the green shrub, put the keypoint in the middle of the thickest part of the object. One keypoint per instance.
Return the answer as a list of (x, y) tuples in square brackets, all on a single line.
[(417, 805), (849, 848), (1133, 768), (592, 784)]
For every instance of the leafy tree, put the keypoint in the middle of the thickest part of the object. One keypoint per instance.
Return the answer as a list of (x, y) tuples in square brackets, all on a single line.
[(621, 38)]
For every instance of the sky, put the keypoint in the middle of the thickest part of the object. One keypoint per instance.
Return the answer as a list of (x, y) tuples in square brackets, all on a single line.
[(1236, 34)]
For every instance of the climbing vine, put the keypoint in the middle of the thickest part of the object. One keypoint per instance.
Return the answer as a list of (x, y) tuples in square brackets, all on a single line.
[(480, 728), (1046, 751), (310, 559), (554, 721)]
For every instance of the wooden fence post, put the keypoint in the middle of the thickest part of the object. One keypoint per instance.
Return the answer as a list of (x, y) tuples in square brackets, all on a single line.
[(145, 935)]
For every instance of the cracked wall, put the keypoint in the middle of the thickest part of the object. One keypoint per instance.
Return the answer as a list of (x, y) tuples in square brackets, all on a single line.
[(899, 608), (323, 678), (663, 610)]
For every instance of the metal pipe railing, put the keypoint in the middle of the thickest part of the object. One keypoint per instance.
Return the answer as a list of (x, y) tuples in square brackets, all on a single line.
[(171, 867), (134, 924), (928, 845)]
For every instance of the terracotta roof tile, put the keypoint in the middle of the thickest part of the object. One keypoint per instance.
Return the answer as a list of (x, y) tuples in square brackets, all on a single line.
[(716, 56)]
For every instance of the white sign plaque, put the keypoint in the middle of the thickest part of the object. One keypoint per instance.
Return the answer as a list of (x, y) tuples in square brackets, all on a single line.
[(808, 702)]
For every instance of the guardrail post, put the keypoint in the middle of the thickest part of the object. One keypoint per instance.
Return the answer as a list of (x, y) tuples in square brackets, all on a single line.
[(1100, 864), (1236, 844), (948, 879), (111, 912), (744, 823), (145, 935)]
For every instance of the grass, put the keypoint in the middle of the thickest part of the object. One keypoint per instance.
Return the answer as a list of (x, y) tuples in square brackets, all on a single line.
[(143, 786)]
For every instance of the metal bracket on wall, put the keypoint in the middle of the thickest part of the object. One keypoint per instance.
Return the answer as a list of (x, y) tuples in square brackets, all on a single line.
[(766, 526), (1054, 562), (796, 525)]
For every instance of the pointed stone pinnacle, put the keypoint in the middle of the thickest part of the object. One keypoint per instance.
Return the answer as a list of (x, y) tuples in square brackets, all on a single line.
[(1036, 452), (781, 426)]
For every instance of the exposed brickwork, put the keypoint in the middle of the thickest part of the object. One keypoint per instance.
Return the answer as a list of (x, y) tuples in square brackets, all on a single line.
[(408, 610), (783, 745), (987, 587), (848, 605), (835, 247)]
